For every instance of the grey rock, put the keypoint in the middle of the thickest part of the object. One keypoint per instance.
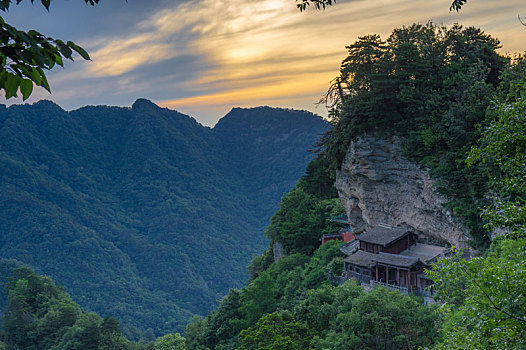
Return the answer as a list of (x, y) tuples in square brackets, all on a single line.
[(277, 249), (377, 184)]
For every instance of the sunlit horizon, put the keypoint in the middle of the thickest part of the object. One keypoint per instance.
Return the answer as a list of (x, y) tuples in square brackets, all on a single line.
[(205, 57)]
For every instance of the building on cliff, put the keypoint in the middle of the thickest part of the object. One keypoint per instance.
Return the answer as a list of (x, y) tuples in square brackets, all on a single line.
[(342, 235), (345, 235), (391, 256)]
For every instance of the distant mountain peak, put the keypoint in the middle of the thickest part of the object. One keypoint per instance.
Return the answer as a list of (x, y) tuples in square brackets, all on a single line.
[(46, 104), (142, 104), (251, 119)]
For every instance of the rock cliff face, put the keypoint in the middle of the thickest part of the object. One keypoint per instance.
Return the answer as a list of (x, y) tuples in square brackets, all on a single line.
[(378, 185)]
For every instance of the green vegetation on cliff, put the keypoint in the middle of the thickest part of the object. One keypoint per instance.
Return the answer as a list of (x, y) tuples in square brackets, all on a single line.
[(293, 305), (433, 86), (484, 301)]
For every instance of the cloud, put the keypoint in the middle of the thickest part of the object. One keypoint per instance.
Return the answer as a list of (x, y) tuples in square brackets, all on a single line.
[(125, 55), (208, 55), (268, 50), (284, 86)]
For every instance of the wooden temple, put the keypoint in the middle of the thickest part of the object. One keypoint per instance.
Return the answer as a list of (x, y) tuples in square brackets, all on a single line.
[(391, 255)]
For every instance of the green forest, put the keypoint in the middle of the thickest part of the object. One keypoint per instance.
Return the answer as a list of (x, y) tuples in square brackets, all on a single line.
[(138, 212), (460, 108)]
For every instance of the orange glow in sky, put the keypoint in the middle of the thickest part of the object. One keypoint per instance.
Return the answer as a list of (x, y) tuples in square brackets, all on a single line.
[(204, 57)]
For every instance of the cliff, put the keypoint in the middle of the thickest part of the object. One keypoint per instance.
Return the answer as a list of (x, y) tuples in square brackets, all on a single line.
[(377, 184)]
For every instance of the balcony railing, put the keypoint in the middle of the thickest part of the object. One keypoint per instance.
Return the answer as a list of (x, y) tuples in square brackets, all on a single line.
[(401, 289), (420, 292), (366, 280)]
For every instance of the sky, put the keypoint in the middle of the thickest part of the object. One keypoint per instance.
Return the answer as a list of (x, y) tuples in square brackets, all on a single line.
[(204, 57)]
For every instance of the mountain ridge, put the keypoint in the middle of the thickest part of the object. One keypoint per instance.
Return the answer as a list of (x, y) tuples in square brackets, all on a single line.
[(147, 191)]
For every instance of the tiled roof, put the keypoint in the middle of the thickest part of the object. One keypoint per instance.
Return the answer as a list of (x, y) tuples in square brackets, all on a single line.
[(382, 235), (332, 235), (342, 219), (350, 247), (362, 258), (396, 260), (425, 252)]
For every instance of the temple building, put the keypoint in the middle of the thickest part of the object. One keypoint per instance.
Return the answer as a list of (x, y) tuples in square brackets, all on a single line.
[(391, 256), (344, 234)]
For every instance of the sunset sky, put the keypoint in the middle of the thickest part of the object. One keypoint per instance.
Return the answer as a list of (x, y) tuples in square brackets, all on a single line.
[(203, 57)]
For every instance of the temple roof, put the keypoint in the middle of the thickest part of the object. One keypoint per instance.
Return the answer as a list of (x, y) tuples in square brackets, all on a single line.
[(383, 234), (342, 219), (425, 252), (362, 258), (332, 235), (365, 259), (350, 247), (396, 260)]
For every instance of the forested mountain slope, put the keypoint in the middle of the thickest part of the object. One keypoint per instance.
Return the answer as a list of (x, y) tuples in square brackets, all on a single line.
[(142, 213)]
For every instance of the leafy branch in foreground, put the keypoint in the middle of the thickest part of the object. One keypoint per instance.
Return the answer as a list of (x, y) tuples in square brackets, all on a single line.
[(318, 4), (504, 143), (484, 304), (25, 56), (322, 4), (457, 5)]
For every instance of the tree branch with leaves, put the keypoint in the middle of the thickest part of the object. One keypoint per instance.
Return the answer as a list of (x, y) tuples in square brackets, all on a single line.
[(25, 56), (484, 306), (302, 5)]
